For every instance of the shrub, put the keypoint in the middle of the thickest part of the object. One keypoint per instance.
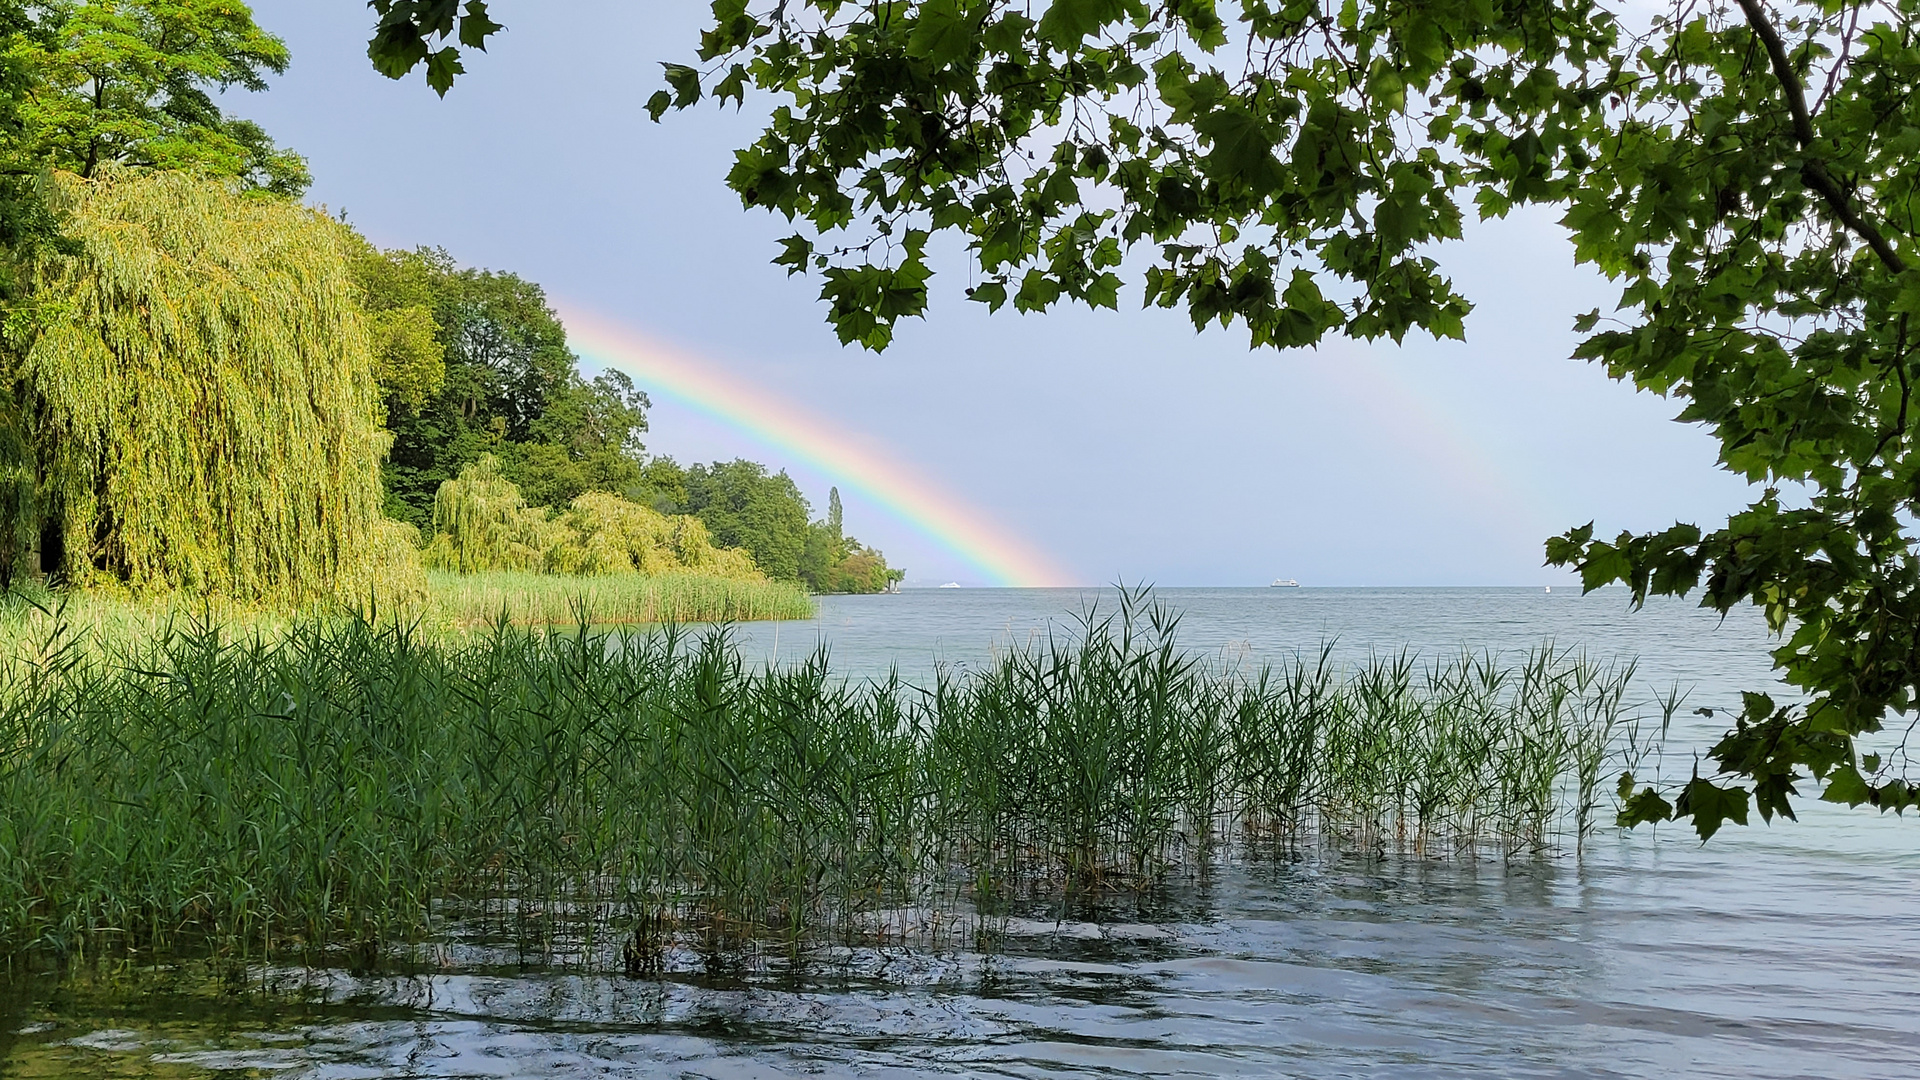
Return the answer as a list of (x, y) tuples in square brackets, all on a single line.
[(482, 523)]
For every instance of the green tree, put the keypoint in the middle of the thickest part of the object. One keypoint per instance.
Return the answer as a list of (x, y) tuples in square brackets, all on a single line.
[(27, 226), (662, 486), (825, 548), (194, 408), (508, 385), (509, 344), (133, 81), (833, 562), (396, 289), (860, 570), (745, 507), (1744, 171), (586, 439)]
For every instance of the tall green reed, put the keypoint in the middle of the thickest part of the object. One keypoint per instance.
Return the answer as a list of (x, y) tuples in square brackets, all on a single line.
[(477, 599), (344, 786)]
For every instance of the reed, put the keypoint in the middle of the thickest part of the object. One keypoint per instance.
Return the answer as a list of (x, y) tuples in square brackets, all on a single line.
[(451, 604), (345, 787), (476, 600)]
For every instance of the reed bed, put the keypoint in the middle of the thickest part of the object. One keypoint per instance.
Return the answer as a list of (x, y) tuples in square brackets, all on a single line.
[(340, 789), (477, 600), (455, 604)]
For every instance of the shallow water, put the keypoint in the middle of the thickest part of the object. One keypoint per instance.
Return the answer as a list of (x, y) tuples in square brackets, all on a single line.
[(1780, 951)]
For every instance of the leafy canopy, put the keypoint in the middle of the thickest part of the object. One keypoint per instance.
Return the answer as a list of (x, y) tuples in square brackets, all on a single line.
[(474, 362), (482, 523), (745, 507), (132, 82), (396, 291), (27, 225), (833, 562), (473, 365), (1745, 171), (194, 406), (763, 513), (1290, 174)]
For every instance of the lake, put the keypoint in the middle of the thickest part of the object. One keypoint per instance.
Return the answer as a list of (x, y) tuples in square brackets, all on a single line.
[(1781, 951)]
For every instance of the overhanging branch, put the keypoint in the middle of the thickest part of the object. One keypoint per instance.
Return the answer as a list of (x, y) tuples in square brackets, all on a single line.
[(1814, 171)]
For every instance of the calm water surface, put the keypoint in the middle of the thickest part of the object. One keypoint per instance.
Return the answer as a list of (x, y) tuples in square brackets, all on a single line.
[(1790, 951)]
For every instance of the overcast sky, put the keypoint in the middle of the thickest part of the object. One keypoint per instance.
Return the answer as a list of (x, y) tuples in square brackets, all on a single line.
[(1124, 446)]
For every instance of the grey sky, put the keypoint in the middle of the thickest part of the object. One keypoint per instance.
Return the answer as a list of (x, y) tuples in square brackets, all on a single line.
[(1126, 446)]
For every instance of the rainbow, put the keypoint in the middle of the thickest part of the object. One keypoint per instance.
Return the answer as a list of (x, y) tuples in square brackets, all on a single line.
[(1003, 558)]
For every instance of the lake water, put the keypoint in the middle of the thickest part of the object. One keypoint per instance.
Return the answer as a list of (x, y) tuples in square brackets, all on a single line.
[(1783, 951)]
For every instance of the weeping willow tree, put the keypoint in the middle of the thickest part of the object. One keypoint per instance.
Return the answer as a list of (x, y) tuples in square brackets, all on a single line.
[(481, 522), (191, 404), (606, 534)]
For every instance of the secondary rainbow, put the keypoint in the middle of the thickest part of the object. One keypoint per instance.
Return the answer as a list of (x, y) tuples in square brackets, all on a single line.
[(965, 531)]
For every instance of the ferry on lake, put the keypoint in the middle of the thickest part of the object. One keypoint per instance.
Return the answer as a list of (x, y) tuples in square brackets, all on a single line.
[(1284, 583)]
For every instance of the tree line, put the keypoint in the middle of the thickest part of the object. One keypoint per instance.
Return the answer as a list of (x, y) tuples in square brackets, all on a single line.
[(473, 362), (161, 284)]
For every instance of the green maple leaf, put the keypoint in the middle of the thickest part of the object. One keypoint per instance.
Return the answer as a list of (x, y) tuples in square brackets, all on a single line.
[(942, 34), (1711, 806)]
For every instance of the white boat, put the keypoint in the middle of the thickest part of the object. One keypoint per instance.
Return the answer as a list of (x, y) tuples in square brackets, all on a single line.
[(951, 585), (1284, 583)]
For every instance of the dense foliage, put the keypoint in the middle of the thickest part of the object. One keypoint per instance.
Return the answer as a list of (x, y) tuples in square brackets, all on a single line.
[(26, 224), (193, 404), (765, 514), (89, 82), (127, 452), (746, 507), (474, 362), (1744, 171), (481, 523), (833, 562), (187, 398), (133, 82), (395, 290)]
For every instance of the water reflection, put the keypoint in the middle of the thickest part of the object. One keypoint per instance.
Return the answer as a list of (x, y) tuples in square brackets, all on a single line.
[(1639, 961)]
